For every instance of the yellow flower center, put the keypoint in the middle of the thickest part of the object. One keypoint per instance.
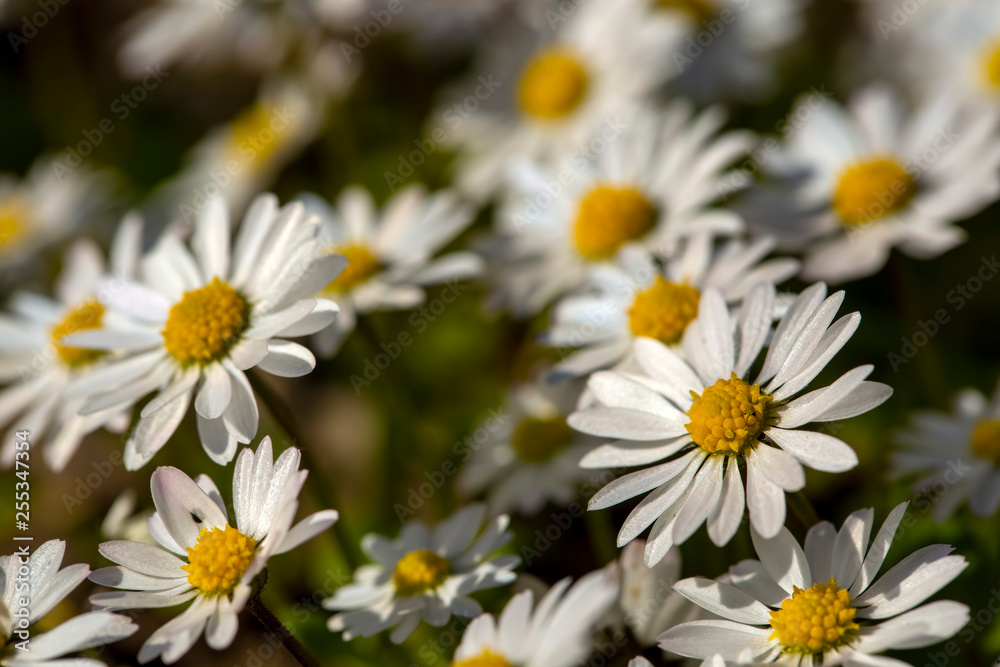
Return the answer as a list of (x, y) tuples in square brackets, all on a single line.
[(14, 216), (205, 324), (815, 620), (86, 316), (728, 416), (986, 440), (256, 135), (869, 191), (609, 217), (699, 10), (218, 559), (487, 659), (991, 66), (664, 310), (538, 440), (420, 571), (553, 85), (361, 265)]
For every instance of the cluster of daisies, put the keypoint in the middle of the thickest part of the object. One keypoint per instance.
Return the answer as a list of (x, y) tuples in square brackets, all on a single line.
[(648, 245)]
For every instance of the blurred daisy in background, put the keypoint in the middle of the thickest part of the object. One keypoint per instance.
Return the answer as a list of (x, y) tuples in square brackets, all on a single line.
[(122, 522), (200, 556), (198, 318), (876, 177), (698, 415), (652, 184), (959, 451), (41, 371), (52, 201), (822, 604), (533, 458), (555, 83), (44, 587), (640, 296), (425, 574), (648, 602), (390, 252), (557, 632)]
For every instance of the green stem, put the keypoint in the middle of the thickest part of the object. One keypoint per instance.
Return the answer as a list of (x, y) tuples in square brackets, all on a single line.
[(803, 509), (282, 634), (323, 492)]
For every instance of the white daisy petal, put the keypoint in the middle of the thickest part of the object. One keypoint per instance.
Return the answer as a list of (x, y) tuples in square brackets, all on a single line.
[(910, 582), (819, 451), (724, 600), (783, 559)]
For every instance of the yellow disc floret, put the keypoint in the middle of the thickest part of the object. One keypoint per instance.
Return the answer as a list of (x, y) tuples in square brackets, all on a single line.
[(361, 265), (871, 190), (991, 66), (664, 310), (86, 316), (609, 217), (218, 559), (538, 440), (487, 659), (553, 85), (420, 571), (985, 442), (14, 213), (699, 10), (728, 416), (205, 324), (815, 620)]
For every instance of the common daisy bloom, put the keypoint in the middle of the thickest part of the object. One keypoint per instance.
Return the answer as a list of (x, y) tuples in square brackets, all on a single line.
[(822, 604), (200, 557), (877, 177), (557, 632), (390, 252), (640, 296), (42, 371), (30, 587), (549, 86), (49, 203), (648, 601), (200, 317), (959, 450), (702, 416), (653, 184), (426, 574), (534, 456)]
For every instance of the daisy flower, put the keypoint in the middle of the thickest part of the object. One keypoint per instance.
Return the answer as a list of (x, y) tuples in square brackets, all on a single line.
[(960, 450), (200, 557), (554, 83), (424, 575), (534, 457), (648, 601), (642, 297), (122, 522), (51, 202), (879, 178), (557, 632), (390, 253), (201, 317), (38, 580), (42, 370), (822, 604), (652, 185), (702, 417)]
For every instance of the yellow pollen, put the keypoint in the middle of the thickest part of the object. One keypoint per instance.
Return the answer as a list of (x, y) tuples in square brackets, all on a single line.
[(218, 559), (420, 571), (871, 190), (14, 217), (699, 10), (727, 417), (361, 265), (815, 620), (664, 310), (205, 324), (487, 659), (609, 217), (256, 135), (553, 85), (86, 316), (538, 440), (985, 441), (991, 66)]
